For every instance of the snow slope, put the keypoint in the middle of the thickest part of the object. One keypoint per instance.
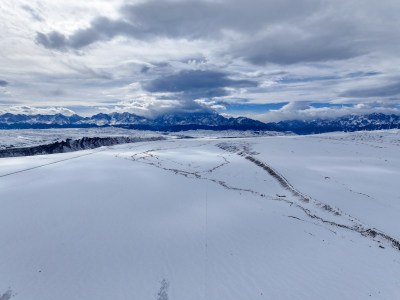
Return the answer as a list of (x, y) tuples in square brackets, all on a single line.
[(311, 217)]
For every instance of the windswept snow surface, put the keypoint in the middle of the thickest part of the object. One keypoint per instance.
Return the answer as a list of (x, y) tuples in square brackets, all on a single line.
[(290, 217)]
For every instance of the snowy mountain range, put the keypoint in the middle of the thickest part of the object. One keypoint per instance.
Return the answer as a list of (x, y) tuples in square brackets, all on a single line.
[(374, 121), (180, 121), (189, 121)]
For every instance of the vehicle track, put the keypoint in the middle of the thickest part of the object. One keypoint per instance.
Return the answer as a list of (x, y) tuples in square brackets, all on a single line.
[(305, 203), (52, 163), (105, 147), (357, 226)]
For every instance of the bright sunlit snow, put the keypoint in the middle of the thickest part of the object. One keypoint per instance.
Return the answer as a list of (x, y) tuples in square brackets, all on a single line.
[(280, 217)]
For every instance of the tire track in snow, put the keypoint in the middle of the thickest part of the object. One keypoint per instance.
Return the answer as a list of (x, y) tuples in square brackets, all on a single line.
[(102, 148), (150, 158), (365, 231), (51, 163)]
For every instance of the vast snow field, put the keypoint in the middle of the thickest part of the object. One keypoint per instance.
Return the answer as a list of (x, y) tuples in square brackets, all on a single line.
[(280, 217), (33, 137)]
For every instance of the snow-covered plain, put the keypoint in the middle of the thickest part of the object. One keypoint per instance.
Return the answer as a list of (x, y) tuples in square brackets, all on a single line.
[(17, 138), (285, 217)]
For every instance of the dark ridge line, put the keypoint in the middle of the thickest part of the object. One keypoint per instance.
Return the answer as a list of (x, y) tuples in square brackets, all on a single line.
[(70, 145), (282, 180)]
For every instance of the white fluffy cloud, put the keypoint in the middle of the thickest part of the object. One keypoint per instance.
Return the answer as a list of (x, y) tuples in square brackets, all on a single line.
[(28, 110), (303, 111)]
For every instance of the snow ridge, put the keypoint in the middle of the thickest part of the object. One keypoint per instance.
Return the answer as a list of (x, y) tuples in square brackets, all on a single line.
[(70, 145)]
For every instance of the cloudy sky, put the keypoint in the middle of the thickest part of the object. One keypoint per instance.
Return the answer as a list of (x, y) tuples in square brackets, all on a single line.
[(267, 59)]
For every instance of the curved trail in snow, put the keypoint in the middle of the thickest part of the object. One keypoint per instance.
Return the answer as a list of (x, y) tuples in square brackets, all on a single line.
[(309, 206), (357, 226)]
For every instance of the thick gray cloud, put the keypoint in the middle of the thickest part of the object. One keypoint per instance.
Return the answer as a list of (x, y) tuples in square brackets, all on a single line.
[(289, 37), (101, 29), (287, 48), (3, 83), (196, 84), (181, 19), (203, 19), (387, 90), (52, 40)]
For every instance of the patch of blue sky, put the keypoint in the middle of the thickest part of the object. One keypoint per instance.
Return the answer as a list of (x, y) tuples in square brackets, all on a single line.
[(252, 107), (88, 110), (307, 79), (362, 74), (321, 105)]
